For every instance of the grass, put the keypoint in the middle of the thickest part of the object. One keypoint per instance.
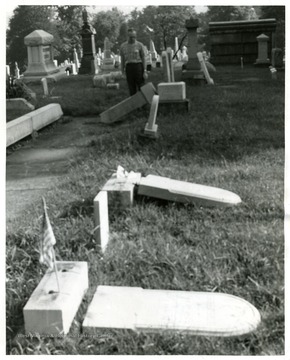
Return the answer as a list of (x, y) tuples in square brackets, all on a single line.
[(233, 138)]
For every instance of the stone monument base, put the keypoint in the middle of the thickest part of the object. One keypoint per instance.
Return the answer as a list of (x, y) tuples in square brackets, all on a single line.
[(261, 63), (51, 77), (193, 77)]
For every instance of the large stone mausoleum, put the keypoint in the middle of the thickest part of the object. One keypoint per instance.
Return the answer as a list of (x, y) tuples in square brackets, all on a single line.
[(231, 40)]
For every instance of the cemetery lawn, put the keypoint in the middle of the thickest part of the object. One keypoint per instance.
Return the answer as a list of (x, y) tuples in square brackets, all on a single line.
[(232, 138)]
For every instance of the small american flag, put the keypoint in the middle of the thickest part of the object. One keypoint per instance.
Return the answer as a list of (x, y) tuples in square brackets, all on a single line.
[(47, 241)]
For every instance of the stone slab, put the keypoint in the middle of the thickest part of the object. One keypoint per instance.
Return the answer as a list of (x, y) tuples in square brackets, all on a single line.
[(195, 313), (182, 191), (125, 107), (50, 312), (35, 120), (172, 91), (19, 103), (101, 218)]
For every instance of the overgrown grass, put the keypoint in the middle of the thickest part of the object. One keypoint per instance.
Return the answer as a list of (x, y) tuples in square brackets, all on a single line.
[(233, 138)]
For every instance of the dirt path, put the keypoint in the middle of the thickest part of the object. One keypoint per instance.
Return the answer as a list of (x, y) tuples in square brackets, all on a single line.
[(32, 169)]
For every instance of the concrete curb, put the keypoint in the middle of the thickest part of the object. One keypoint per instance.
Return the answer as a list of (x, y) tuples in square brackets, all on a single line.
[(33, 121), (18, 103)]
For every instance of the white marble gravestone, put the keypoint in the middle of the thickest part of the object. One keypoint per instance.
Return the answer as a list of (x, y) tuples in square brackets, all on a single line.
[(195, 313)]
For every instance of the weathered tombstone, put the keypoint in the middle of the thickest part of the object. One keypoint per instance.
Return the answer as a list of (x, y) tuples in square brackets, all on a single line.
[(184, 56), (170, 63), (40, 57), (17, 71), (277, 58), (74, 69), (166, 67), (76, 60), (152, 50), (108, 61), (204, 68), (192, 73), (7, 70), (101, 220), (151, 128), (171, 91), (88, 62), (195, 313), (262, 50), (45, 87)]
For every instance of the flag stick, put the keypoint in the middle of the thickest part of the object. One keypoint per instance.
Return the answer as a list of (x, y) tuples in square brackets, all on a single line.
[(55, 270)]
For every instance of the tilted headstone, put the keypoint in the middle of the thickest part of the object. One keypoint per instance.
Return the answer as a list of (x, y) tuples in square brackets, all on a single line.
[(204, 68), (151, 128)]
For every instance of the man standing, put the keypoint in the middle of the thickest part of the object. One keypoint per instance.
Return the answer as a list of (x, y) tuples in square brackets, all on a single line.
[(133, 62)]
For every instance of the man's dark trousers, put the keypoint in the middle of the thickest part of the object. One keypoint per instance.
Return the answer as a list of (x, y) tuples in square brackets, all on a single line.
[(134, 75)]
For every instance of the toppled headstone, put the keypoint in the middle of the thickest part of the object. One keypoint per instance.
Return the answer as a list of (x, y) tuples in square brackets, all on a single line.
[(196, 313), (182, 191), (141, 98), (51, 312)]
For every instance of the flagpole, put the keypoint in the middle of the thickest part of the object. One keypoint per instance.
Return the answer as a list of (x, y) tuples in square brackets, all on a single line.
[(55, 269)]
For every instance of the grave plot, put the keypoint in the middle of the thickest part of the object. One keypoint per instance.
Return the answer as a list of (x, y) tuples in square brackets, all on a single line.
[(195, 313)]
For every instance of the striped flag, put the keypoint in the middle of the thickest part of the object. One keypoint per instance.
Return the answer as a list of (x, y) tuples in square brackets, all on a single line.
[(47, 241)]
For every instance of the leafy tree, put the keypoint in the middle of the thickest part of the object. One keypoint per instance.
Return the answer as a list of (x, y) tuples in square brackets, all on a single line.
[(67, 26), (167, 22), (228, 13), (108, 24), (278, 13), (25, 19)]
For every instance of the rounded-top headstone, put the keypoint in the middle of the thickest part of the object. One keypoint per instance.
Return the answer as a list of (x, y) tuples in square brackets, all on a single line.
[(38, 37)]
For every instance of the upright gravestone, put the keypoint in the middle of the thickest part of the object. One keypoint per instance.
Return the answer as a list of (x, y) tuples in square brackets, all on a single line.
[(108, 61), (76, 60), (152, 50), (88, 62), (40, 57), (192, 74), (262, 50)]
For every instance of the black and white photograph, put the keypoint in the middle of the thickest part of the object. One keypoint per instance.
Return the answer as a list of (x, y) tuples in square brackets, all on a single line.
[(146, 201)]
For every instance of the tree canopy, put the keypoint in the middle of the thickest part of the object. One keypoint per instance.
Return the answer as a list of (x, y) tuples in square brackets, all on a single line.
[(162, 24)]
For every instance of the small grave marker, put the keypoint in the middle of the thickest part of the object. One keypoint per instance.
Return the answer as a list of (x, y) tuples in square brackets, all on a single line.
[(101, 217), (45, 87), (151, 128), (49, 312)]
